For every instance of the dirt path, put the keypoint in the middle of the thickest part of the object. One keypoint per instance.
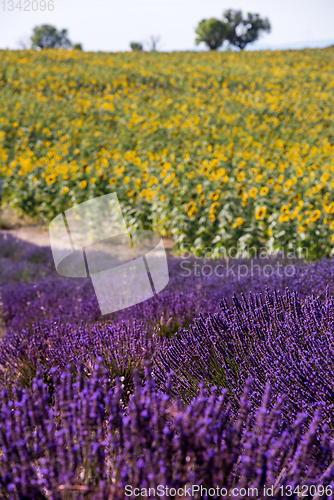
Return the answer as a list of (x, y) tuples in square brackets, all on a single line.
[(24, 229), (37, 236), (40, 236)]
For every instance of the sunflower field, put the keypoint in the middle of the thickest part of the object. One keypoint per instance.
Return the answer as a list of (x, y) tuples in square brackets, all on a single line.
[(221, 149)]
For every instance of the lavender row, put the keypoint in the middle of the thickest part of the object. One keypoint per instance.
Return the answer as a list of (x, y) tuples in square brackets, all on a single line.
[(81, 442), (276, 337), (32, 291)]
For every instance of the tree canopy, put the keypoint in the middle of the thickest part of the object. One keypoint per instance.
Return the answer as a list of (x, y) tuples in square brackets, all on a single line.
[(47, 37), (236, 29), (136, 46), (212, 32), (244, 30)]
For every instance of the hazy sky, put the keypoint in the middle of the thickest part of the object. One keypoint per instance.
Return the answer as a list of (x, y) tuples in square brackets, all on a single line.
[(110, 25)]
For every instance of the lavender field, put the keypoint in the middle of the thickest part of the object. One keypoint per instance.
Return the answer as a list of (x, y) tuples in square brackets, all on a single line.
[(219, 386)]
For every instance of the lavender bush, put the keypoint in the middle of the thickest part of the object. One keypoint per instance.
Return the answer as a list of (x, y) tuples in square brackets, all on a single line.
[(277, 338), (52, 346)]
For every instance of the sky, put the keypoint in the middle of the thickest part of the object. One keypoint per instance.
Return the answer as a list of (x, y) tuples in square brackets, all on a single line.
[(110, 25)]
